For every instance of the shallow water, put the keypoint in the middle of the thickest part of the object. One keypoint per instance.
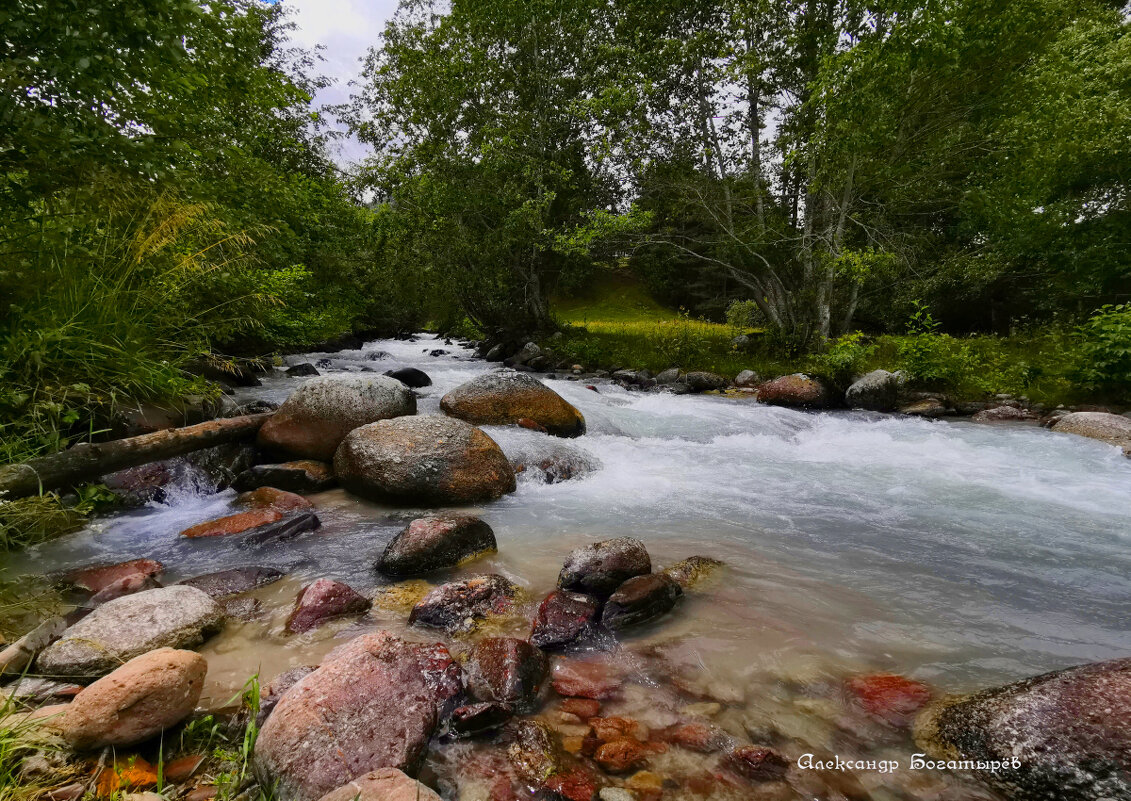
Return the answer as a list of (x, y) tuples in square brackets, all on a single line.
[(960, 554)]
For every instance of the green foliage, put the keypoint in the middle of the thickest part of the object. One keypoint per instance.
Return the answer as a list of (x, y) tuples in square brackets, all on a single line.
[(744, 314), (843, 358), (1104, 352)]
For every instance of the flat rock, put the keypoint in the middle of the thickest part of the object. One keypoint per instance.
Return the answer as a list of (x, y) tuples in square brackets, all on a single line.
[(304, 475), (1002, 414), (142, 698), (504, 398), (565, 619), (386, 784), (927, 407), (323, 600), (583, 678), (429, 460), (508, 671), (639, 600), (458, 606), (225, 583), (97, 577), (600, 568), (314, 420), (1067, 730), (1113, 429), (373, 703), (117, 631), (435, 543)]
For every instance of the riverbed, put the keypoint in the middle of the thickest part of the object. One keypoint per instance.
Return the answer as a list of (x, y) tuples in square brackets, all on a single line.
[(960, 554)]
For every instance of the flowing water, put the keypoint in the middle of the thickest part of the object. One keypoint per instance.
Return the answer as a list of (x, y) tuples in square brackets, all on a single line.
[(963, 555)]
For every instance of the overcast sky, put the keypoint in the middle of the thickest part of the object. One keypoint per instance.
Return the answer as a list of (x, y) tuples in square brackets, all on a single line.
[(347, 28)]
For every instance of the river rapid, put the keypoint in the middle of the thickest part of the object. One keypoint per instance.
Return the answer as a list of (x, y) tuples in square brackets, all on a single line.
[(960, 554)]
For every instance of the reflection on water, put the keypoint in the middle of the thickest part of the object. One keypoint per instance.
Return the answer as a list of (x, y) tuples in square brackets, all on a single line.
[(960, 554)]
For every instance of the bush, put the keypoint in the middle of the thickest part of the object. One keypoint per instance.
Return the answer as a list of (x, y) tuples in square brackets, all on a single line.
[(744, 315), (1104, 351), (844, 358)]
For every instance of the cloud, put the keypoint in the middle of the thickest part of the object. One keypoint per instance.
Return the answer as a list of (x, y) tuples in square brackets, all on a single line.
[(347, 29)]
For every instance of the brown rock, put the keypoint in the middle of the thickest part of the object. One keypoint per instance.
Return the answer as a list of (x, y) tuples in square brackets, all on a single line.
[(585, 679), (423, 460), (140, 699), (323, 600), (315, 419), (386, 784), (233, 524), (304, 475), (373, 703), (458, 606), (473, 719), (757, 763), (504, 398), (700, 737), (692, 570), (508, 671), (97, 577), (138, 582), (435, 543), (927, 407), (600, 568), (620, 756), (225, 583), (999, 414), (584, 708), (795, 390), (895, 699), (272, 498), (573, 784), (639, 600), (565, 618)]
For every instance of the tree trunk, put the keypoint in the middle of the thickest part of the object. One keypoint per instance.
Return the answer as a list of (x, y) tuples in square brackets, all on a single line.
[(89, 461)]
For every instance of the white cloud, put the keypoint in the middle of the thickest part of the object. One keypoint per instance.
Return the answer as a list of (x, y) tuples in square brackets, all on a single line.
[(347, 29)]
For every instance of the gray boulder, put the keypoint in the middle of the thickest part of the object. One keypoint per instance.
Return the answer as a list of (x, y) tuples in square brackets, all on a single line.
[(1113, 429), (669, 376), (1063, 735), (878, 391), (747, 379), (600, 568), (314, 420), (170, 617)]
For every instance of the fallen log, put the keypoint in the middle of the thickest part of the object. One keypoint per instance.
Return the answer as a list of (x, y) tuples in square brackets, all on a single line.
[(90, 461)]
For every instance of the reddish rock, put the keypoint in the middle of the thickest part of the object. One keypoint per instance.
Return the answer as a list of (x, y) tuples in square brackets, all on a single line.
[(305, 475), (271, 498), (796, 390), (565, 618), (600, 568), (639, 600), (433, 543), (138, 582), (584, 708), (585, 679), (606, 730), (533, 425), (373, 703), (757, 763), (894, 699), (700, 737), (96, 578), (458, 605), (1002, 414), (532, 752), (269, 696), (323, 600), (620, 756), (508, 671), (574, 784), (386, 784), (473, 719)]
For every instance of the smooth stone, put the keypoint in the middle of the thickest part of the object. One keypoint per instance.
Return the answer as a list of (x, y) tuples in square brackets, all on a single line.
[(303, 475), (142, 698), (324, 600), (504, 398), (639, 600), (669, 376), (747, 379), (315, 419), (551, 462), (386, 784), (892, 698), (117, 631), (435, 543), (410, 377), (878, 391), (598, 569), (373, 703), (458, 606), (565, 619), (224, 583), (138, 582), (508, 671), (277, 688), (578, 678), (929, 408), (428, 460), (797, 390)]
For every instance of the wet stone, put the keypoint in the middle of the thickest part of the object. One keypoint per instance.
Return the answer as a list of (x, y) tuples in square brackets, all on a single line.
[(324, 600), (475, 719), (564, 619), (600, 568), (433, 543), (508, 671), (224, 583), (458, 606), (639, 600)]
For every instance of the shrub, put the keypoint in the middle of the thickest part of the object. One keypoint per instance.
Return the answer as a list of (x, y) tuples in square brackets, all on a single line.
[(744, 315), (845, 357), (1104, 352)]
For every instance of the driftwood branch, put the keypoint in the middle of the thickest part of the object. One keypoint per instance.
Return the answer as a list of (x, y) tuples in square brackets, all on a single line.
[(90, 461)]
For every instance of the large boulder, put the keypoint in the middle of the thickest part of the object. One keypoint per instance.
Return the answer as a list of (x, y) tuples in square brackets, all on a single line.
[(373, 703), (507, 671), (142, 698), (314, 420), (878, 391), (323, 600), (639, 600), (1113, 429), (386, 784), (504, 398), (1062, 736), (600, 568), (428, 544), (797, 390), (117, 631), (458, 606), (423, 460)]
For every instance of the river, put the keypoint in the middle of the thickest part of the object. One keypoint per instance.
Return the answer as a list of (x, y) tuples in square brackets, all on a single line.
[(960, 554)]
